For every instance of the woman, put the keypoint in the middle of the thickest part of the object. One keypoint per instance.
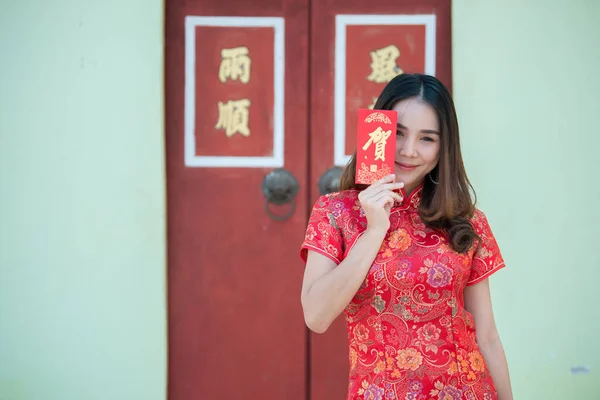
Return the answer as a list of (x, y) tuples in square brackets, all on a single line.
[(408, 259)]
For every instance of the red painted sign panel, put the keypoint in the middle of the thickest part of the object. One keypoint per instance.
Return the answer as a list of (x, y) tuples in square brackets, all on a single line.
[(234, 91), (374, 55)]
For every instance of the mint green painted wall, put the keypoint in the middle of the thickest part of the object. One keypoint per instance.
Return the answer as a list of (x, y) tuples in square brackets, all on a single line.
[(82, 222), (527, 89)]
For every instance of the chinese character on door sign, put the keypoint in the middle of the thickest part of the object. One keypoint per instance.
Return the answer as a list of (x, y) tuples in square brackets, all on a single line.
[(235, 64), (233, 117), (384, 65)]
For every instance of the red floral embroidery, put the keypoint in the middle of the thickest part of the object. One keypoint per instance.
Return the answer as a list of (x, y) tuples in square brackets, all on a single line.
[(409, 334)]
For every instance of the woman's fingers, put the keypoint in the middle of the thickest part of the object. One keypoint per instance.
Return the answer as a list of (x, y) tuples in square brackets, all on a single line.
[(393, 186), (387, 193), (375, 192), (397, 197), (382, 185), (385, 200), (385, 179), (382, 189)]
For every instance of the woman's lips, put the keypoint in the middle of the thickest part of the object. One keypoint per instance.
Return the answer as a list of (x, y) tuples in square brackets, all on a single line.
[(406, 167)]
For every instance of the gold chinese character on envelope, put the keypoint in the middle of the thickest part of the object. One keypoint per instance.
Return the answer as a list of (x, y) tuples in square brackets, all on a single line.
[(376, 144)]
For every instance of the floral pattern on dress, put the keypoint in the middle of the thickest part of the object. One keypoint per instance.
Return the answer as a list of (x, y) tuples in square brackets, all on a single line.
[(409, 334)]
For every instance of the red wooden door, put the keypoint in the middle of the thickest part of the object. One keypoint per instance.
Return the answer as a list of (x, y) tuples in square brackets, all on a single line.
[(244, 97), (236, 328), (356, 47)]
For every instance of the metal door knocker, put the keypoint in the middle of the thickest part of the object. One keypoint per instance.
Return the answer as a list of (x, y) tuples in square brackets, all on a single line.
[(280, 187), (329, 182)]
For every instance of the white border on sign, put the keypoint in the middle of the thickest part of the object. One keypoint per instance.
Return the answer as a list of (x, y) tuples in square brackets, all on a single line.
[(341, 21), (191, 159)]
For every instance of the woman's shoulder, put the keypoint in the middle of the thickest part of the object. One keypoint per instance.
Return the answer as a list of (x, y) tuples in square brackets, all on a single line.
[(339, 206), (479, 221), (342, 200), (333, 225), (478, 215)]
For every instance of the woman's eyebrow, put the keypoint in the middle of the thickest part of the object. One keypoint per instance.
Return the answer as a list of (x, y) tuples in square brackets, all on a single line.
[(432, 131)]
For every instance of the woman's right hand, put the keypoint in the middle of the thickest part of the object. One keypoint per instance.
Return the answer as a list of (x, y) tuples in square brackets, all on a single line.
[(377, 201)]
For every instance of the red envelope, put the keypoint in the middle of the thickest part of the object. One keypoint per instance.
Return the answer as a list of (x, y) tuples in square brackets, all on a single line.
[(376, 144)]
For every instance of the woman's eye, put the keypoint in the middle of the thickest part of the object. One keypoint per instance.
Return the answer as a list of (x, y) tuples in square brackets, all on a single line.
[(428, 139), (398, 133)]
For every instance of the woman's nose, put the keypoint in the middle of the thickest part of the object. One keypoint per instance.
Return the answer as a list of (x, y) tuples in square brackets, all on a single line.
[(407, 148)]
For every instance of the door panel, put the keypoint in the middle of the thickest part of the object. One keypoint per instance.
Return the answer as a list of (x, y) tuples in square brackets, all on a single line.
[(356, 47), (236, 328)]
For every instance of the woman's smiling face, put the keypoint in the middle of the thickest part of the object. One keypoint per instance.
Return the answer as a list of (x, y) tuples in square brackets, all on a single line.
[(417, 142)]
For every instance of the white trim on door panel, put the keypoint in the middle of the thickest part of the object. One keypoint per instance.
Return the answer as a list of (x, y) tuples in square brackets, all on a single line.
[(341, 21), (277, 159)]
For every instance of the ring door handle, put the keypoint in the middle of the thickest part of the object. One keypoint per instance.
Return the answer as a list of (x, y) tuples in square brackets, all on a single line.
[(329, 182), (280, 187)]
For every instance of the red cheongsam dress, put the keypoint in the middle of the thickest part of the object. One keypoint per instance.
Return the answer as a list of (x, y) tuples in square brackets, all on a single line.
[(410, 337)]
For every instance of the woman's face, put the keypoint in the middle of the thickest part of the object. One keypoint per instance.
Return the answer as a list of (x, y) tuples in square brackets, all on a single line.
[(417, 142)]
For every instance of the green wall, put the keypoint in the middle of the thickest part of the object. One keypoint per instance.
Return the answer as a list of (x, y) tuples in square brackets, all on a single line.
[(527, 89), (82, 222)]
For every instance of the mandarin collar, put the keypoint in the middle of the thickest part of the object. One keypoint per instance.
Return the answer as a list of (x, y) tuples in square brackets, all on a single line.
[(411, 201)]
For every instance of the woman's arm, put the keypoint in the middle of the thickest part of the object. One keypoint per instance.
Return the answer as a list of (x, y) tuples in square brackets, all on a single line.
[(478, 302), (327, 289)]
